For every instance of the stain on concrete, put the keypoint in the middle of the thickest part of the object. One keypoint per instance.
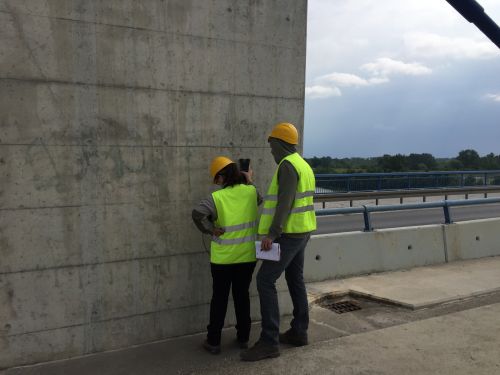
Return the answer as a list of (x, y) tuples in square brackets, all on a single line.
[(4, 343), (45, 170), (87, 161), (5, 249), (115, 155), (180, 12), (7, 302), (110, 129), (152, 124)]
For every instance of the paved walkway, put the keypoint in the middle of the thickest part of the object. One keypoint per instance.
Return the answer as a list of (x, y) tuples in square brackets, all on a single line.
[(454, 338), (423, 286), (463, 343)]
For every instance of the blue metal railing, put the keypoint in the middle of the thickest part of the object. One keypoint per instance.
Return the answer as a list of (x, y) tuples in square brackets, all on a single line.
[(345, 183), (366, 210)]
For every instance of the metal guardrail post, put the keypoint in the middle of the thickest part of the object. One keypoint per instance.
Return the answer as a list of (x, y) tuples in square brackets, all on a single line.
[(367, 218), (447, 213)]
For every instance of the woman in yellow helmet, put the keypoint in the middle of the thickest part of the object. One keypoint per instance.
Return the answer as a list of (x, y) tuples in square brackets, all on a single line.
[(230, 216)]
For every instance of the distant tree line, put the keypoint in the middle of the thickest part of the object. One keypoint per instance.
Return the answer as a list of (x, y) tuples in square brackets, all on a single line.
[(465, 160)]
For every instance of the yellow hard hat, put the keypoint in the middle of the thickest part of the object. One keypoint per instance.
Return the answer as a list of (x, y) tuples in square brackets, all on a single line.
[(286, 132), (219, 163)]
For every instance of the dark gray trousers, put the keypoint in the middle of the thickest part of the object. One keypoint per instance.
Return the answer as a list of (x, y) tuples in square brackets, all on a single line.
[(292, 262)]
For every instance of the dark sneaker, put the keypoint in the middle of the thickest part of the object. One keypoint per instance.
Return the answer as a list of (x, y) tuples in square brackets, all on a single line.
[(242, 344), (214, 349), (292, 338), (260, 350)]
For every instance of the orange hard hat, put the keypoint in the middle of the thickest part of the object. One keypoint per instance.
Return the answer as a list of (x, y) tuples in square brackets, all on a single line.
[(286, 132), (218, 164)]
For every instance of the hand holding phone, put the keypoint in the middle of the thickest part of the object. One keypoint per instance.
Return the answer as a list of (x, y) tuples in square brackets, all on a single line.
[(244, 164)]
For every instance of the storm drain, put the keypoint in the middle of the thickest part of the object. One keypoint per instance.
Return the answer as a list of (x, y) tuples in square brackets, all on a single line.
[(341, 307)]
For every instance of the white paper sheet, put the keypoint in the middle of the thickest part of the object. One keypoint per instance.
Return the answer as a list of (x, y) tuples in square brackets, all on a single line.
[(273, 254)]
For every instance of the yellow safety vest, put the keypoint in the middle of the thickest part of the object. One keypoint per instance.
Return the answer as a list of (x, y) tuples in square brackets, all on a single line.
[(237, 215), (302, 218)]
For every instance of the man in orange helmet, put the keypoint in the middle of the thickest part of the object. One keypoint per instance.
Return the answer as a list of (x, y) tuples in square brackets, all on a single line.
[(287, 218)]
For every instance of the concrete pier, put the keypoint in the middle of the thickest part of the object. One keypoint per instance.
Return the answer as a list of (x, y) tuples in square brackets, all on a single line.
[(109, 115)]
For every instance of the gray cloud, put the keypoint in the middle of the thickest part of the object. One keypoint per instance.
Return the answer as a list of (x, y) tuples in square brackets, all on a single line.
[(431, 45), (399, 76), (386, 66), (493, 97)]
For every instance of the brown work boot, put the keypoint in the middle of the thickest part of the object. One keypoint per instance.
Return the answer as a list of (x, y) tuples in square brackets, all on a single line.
[(261, 350), (290, 337)]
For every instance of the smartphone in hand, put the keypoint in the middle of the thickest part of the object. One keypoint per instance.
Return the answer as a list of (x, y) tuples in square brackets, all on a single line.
[(244, 164)]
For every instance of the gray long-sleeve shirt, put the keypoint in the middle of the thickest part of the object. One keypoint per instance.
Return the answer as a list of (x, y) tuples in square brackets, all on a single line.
[(204, 214)]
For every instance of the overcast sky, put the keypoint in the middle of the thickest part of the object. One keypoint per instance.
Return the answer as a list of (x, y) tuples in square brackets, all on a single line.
[(399, 76)]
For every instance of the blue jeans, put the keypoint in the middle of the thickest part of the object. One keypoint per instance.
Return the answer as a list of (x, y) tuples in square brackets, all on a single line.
[(292, 262)]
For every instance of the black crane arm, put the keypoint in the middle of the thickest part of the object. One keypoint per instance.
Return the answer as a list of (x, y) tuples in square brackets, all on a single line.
[(473, 12)]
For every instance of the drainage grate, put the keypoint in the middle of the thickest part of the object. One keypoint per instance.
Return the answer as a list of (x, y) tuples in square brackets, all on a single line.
[(342, 306)]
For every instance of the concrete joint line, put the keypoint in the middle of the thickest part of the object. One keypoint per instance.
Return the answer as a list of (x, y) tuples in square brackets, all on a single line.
[(96, 264), (338, 330), (51, 81), (119, 204), (91, 323), (445, 243), (97, 146), (173, 33)]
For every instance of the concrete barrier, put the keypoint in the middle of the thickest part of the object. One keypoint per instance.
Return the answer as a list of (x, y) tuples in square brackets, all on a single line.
[(347, 254), (472, 239)]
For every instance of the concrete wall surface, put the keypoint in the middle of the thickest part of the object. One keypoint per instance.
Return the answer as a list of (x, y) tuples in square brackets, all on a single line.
[(110, 112), (338, 255)]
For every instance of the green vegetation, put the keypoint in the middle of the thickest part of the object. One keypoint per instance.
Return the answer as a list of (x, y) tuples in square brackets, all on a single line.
[(465, 160)]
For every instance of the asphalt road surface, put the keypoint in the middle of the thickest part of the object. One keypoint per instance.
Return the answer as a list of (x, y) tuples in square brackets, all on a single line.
[(394, 219)]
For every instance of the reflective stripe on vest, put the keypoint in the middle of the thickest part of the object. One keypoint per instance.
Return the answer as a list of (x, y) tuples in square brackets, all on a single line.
[(234, 241), (234, 228), (297, 196), (237, 215), (302, 218), (271, 211)]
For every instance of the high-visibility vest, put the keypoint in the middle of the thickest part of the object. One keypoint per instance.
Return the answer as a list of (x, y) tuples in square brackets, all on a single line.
[(302, 218), (237, 215)]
